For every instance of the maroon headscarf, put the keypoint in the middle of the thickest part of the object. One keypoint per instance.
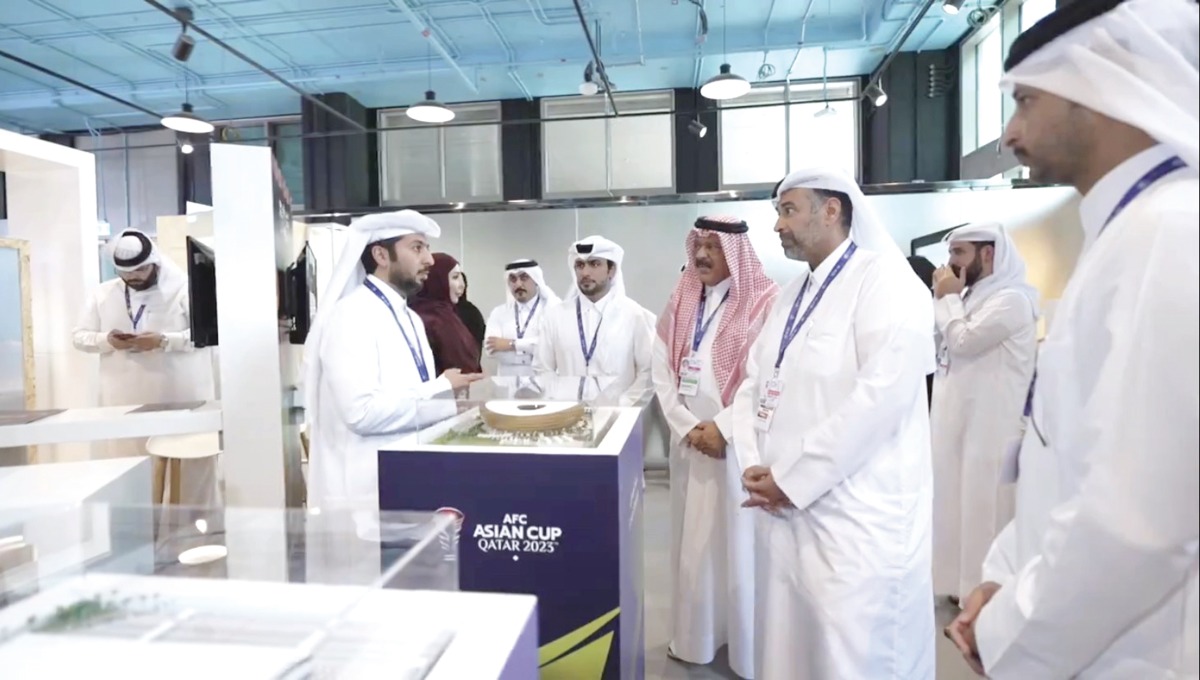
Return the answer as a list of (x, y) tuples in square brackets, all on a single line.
[(450, 340)]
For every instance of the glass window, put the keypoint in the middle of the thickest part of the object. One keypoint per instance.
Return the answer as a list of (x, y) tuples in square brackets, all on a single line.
[(424, 164), (1032, 11), (289, 151), (760, 144), (591, 155), (989, 67)]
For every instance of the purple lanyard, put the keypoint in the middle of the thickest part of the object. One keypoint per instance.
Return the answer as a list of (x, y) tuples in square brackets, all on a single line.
[(134, 319), (418, 353), (588, 352), (792, 329), (1156, 173), (517, 316), (701, 325)]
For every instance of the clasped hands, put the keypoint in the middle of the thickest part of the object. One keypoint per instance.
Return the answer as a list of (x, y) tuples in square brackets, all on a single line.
[(764, 492), (707, 439), (961, 630), (135, 342)]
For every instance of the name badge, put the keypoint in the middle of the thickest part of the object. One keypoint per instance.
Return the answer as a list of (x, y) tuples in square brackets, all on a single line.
[(767, 404), (689, 376)]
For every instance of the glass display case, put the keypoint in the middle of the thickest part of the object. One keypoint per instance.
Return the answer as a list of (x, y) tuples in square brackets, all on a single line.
[(242, 592)]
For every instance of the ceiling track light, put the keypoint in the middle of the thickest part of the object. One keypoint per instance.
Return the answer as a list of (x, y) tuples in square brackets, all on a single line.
[(187, 121), (430, 110), (589, 86), (697, 128), (184, 44), (875, 94), (952, 7)]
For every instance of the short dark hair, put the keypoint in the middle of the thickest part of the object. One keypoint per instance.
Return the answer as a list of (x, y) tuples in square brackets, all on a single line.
[(843, 199), (368, 260)]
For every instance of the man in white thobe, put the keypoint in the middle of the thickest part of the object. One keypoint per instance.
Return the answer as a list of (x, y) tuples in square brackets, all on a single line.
[(1096, 577), (598, 339), (140, 325), (832, 433), (513, 327), (710, 321), (986, 317), (369, 367)]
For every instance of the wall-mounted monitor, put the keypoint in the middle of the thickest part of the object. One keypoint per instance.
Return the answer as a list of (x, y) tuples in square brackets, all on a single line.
[(202, 292), (298, 296)]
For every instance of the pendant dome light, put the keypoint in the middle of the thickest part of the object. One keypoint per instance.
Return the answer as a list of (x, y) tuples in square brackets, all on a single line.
[(726, 84), (430, 110), (186, 121), (828, 110)]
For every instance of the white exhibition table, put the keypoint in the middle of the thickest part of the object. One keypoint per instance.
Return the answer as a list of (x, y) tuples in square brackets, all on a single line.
[(111, 422)]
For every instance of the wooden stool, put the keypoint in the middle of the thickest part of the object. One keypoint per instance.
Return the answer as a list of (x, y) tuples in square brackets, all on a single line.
[(170, 450)]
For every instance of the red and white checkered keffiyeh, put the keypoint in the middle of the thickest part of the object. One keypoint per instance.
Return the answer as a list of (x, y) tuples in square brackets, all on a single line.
[(751, 295)]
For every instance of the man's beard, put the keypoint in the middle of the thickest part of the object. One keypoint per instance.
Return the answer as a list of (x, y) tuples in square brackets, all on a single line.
[(407, 285), (146, 283), (974, 270), (597, 288)]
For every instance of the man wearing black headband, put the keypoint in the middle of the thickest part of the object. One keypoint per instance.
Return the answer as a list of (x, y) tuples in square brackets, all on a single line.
[(139, 323), (513, 328), (1097, 575)]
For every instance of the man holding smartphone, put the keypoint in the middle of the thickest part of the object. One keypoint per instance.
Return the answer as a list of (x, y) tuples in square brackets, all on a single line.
[(140, 325)]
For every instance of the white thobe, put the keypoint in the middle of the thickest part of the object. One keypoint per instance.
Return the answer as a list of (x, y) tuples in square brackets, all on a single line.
[(177, 373), (370, 390), (1099, 568), (843, 582), (503, 323), (624, 334), (978, 398), (712, 547)]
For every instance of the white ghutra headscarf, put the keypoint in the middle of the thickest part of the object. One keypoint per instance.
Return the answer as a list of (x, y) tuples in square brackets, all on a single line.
[(865, 228), (347, 276), (596, 246), (1008, 267), (534, 270), (1133, 61)]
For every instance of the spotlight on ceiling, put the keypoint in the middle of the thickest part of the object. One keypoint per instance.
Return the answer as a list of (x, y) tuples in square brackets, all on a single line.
[(588, 88), (725, 85), (430, 110), (876, 95), (184, 45), (186, 148), (697, 128), (952, 7), (186, 121)]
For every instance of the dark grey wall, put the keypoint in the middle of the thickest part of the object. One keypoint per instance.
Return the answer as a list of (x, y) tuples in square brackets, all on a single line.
[(914, 136), (337, 168)]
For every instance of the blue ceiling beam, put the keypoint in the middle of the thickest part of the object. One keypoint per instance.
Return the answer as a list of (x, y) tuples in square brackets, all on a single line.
[(426, 30)]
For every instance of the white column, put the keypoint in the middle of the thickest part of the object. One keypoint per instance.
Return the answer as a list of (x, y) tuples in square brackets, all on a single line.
[(51, 192), (252, 387)]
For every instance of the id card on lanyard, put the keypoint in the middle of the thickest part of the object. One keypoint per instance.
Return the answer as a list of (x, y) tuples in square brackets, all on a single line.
[(418, 352), (517, 316), (134, 319), (692, 366), (589, 351), (769, 400), (1145, 182)]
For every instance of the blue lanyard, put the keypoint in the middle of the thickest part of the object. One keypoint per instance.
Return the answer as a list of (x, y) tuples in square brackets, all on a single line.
[(701, 325), (1029, 397), (1156, 173), (418, 353), (135, 319), (517, 316), (588, 352), (792, 329)]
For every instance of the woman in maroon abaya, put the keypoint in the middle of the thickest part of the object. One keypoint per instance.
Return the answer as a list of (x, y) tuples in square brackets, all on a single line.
[(450, 340)]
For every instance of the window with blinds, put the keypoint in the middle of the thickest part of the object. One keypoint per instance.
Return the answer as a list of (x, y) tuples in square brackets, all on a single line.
[(585, 154), (422, 164)]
